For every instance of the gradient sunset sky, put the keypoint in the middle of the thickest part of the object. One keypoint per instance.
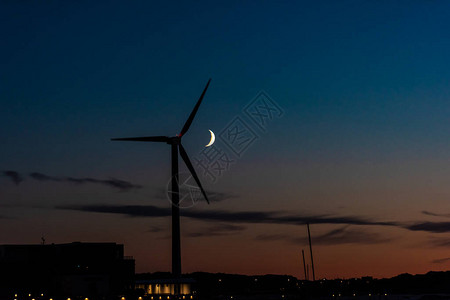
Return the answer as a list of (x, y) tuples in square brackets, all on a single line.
[(358, 145)]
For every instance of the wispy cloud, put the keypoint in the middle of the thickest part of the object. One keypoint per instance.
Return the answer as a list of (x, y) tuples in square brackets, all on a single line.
[(155, 229), (429, 213), (43, 177), (341, 235), (14, 176), (217, 230), (338, 236), (435, 227), (272, 237), (439, 242), (213, 196), (220, 196), (129, 210), (254, 217), (350, 236), (440, 260), (112, 182)]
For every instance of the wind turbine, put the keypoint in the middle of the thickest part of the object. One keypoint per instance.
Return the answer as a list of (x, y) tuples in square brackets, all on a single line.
[(175, 142)]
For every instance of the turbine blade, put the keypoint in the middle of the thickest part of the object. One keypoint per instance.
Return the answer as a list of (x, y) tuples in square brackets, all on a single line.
[(144, 139), (194, 111), (188, 163)]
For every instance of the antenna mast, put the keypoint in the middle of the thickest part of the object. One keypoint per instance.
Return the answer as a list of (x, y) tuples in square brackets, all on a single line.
[(310, 249), (304, 265)]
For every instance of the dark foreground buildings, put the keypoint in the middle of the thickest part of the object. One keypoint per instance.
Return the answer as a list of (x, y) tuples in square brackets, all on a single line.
[(60, 271)]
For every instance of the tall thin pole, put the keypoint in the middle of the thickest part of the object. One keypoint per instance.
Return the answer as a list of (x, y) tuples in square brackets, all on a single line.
[(310, 249), (304, 265), (176, 241)]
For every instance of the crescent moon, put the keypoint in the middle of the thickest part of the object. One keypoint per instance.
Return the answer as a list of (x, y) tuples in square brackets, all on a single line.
[(213, 138)]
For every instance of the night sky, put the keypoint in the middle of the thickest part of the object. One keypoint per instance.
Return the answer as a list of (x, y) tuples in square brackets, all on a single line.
[(354, 137)]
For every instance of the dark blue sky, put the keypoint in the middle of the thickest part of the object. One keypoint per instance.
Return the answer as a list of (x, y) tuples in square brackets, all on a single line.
[(364, 86)]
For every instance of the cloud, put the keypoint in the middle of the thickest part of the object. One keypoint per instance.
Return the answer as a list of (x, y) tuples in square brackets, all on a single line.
[(252, 217), (129, 210), (112, 182), (350, 236), (14, 176), (337, 236), (435, 227), (219, 196), (217, 230), (162, 193), (272, 237), (43, 177), (258, 217), (155, 229), (428, 213), (439, 242), (440, 260)]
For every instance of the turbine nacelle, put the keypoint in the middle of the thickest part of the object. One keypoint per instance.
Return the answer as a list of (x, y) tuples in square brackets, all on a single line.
[(175, 140)]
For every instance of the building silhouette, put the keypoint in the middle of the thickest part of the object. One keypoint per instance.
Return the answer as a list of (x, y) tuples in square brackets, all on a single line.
[(87, 270)]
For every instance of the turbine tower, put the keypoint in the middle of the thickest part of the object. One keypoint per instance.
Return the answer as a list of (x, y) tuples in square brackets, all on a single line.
[(175, 143)]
